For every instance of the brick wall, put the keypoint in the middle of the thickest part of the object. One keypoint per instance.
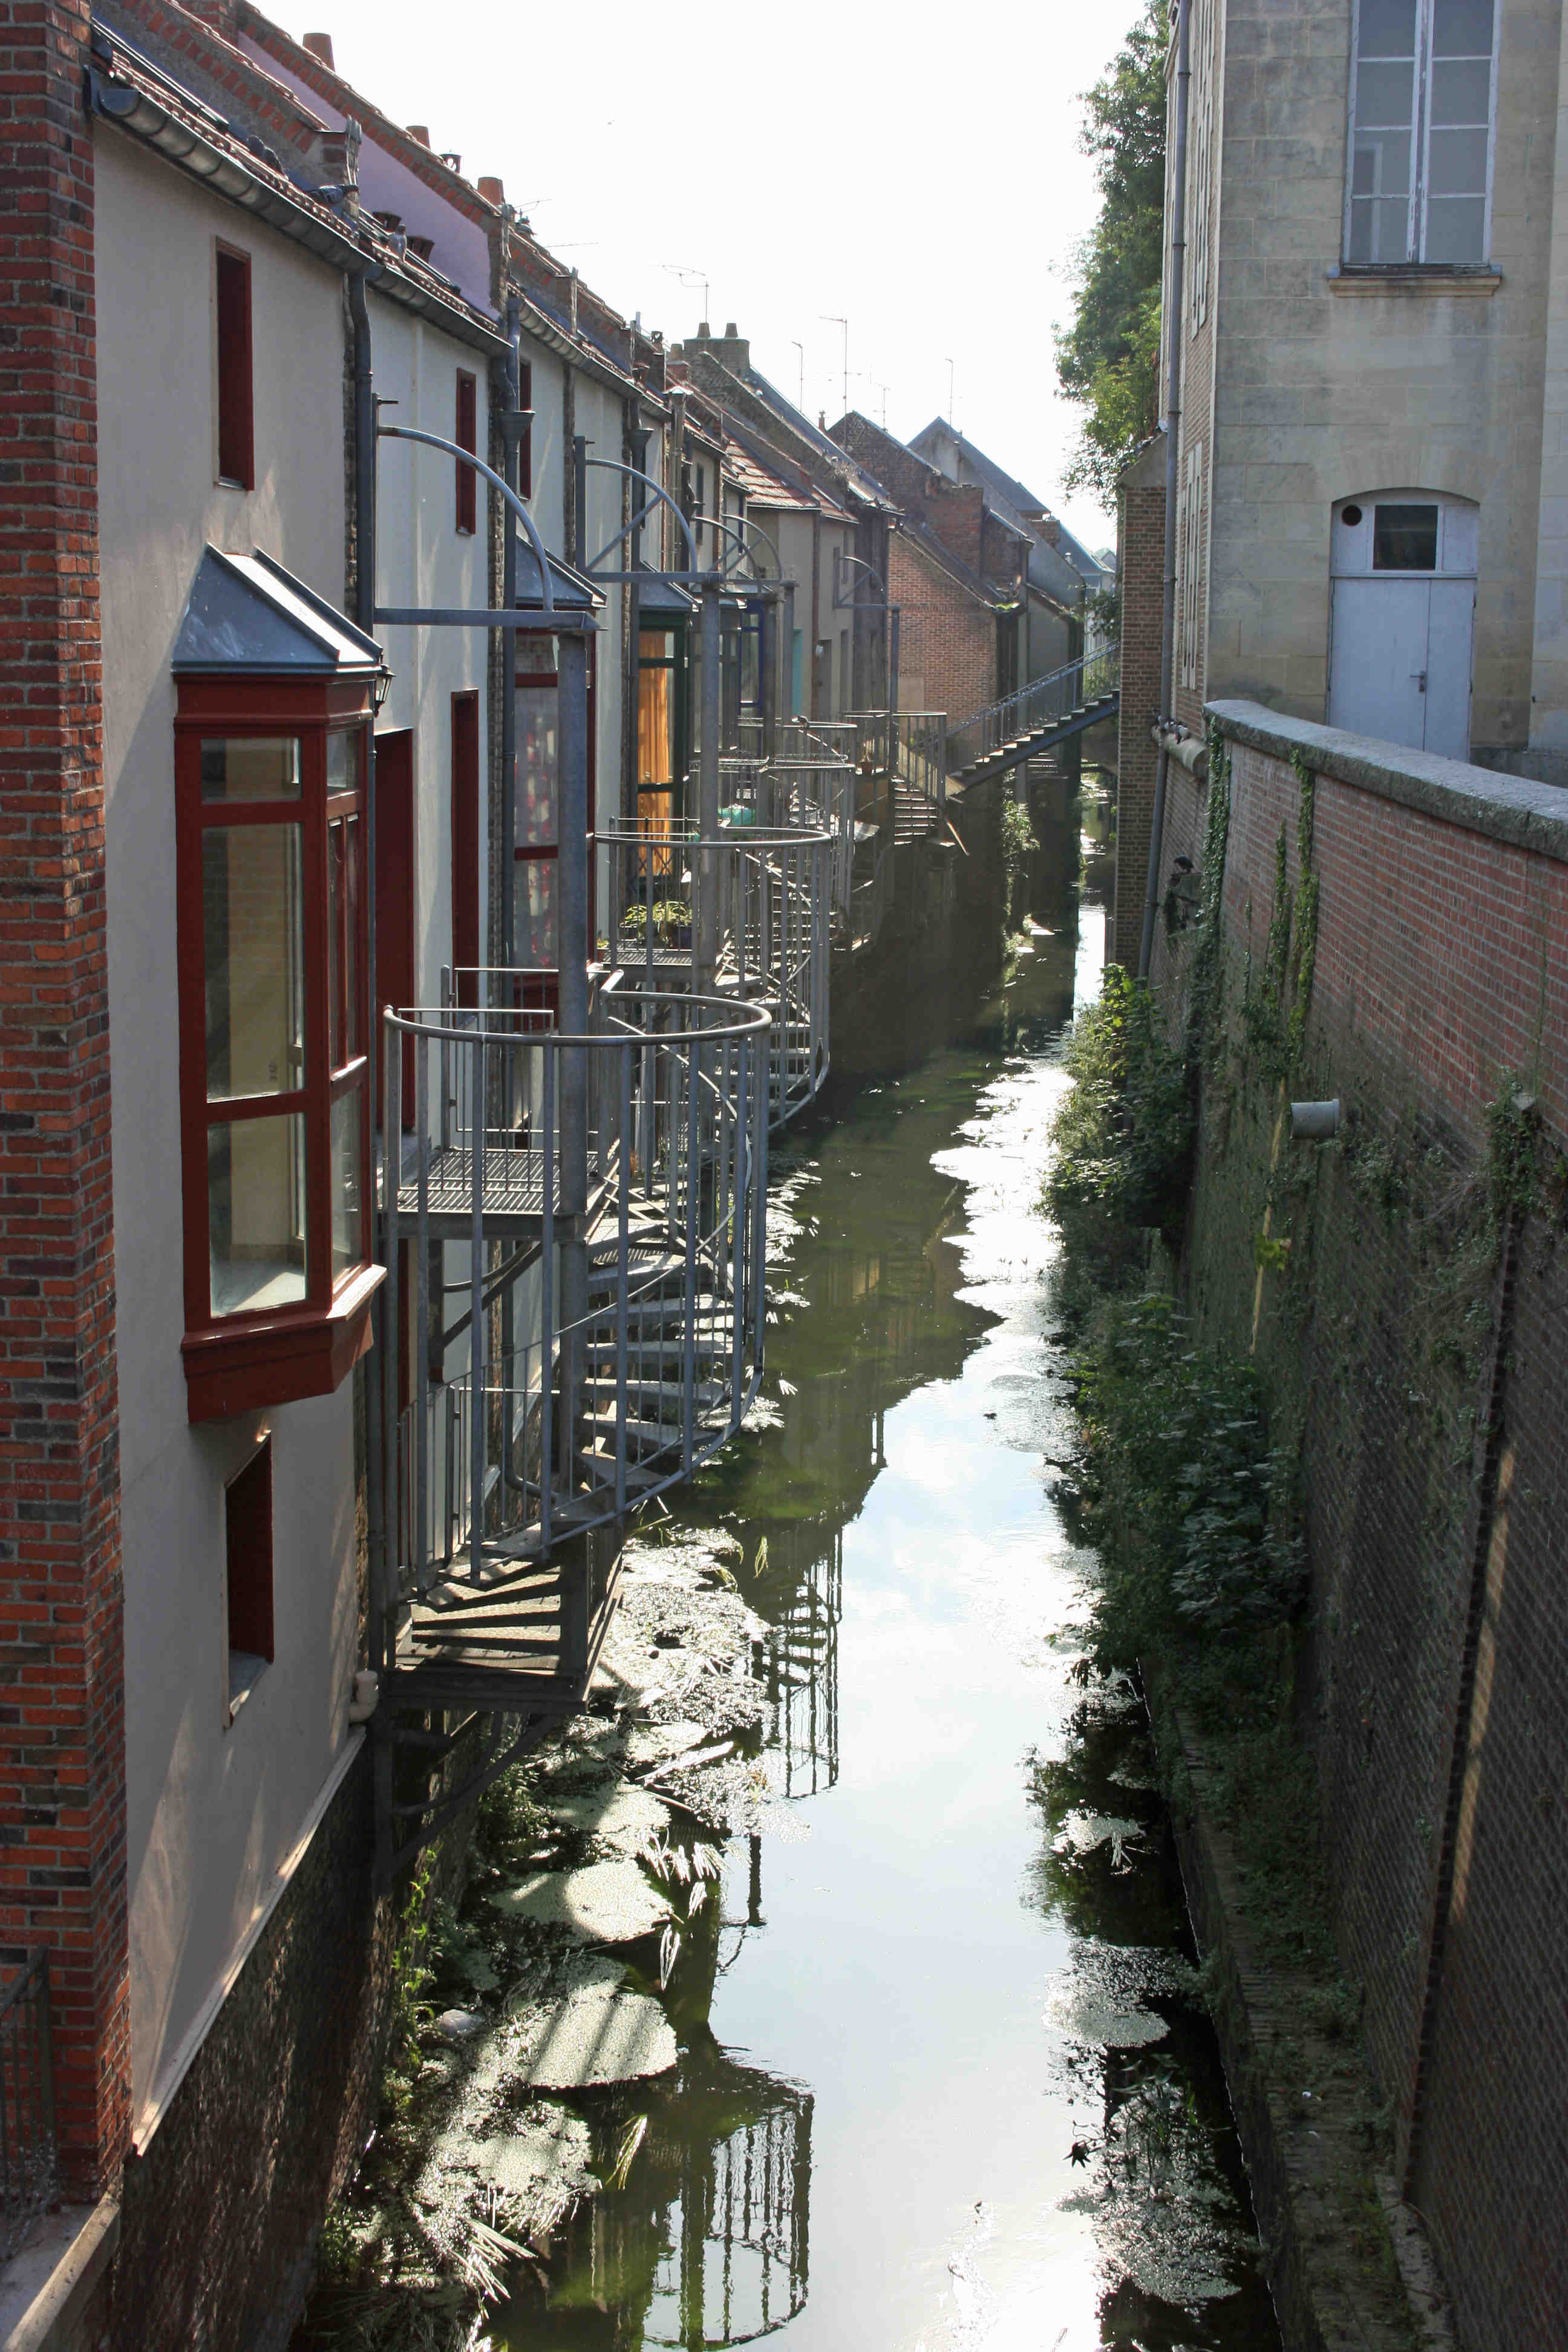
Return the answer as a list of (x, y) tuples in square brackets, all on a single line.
[(946, 636), (1430, 1397), (1142, 574), (62, 1792)]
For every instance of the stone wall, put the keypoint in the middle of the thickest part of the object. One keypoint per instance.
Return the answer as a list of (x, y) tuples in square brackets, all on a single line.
[(1408, 1313)]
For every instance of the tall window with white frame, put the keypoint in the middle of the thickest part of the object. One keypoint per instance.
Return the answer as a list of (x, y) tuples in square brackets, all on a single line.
[(1423, 101)]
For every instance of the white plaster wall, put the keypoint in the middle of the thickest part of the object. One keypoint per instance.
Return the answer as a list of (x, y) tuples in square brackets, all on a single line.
[(422, 559), (212, 1810)]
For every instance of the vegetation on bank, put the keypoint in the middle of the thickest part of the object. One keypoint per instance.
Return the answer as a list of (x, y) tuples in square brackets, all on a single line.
[(1108, 360)]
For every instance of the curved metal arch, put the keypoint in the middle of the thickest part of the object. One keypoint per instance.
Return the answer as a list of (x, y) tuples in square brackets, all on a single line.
[(497, 481), (613, 466)]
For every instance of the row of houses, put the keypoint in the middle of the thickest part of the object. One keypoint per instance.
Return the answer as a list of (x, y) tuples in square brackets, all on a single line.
[(443, 764)]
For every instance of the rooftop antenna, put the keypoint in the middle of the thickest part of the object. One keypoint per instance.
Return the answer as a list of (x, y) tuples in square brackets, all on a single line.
[(950, 425), (800, 395), (829, 318), (691, 277)]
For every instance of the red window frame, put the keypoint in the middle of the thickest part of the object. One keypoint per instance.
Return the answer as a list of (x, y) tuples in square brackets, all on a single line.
[(467, 436), (239, 1361), (234, 368)]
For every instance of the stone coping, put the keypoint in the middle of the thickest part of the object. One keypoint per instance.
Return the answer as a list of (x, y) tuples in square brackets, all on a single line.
[(45, 2288), (1528, 816)]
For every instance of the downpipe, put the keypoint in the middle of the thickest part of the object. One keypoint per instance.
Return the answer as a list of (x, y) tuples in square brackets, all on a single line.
[(1173, 435)]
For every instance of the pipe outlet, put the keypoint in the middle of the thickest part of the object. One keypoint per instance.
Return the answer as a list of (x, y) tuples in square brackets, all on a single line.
[(1314, 1122)]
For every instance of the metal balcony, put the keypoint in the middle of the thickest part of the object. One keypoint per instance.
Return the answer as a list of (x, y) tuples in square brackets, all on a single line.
[(744, 915), (578, 1321)]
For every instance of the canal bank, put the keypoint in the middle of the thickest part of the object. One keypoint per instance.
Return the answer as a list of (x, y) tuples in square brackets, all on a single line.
[(940, 2075)]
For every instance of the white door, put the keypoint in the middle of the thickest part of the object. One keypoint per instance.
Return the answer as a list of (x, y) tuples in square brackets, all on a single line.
[(1449, 630), (1379, 667)]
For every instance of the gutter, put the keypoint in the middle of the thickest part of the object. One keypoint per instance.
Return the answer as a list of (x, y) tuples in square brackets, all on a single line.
[(207, 158), (1173, 436)]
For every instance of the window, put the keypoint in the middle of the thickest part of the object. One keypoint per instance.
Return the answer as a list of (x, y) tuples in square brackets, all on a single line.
[(1200, 172), (467, 436), (1422, 93), (537, 837), (248, 1555), (465, 849), (525, 438), (1189, 557), (236, 436), (1403, 538)]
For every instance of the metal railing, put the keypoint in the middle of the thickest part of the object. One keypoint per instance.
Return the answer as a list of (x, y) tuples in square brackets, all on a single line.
[(29, 2170), (608, 1194), (910, 748), (1044, 703), (746, 914)]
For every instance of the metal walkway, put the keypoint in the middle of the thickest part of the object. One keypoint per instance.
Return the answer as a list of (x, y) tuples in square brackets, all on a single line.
[(1048, 711)]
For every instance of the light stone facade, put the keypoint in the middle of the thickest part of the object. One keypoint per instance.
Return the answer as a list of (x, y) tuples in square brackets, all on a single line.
[(1305, 382)]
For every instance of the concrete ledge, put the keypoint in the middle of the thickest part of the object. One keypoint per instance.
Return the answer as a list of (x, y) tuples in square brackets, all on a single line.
[(47, 2288), (1301, 2099), (1417, 280), (1528, 816)]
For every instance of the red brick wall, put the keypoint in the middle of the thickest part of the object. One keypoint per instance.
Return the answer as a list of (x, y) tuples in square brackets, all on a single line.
[(1430, 1399), (62, 1783), (1142, 574), (946, 637)]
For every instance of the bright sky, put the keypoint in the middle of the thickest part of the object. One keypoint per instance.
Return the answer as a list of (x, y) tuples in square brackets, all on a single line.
[(916, 175)]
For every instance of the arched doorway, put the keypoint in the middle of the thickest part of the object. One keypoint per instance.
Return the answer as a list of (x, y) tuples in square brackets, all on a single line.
[(1403, 567)]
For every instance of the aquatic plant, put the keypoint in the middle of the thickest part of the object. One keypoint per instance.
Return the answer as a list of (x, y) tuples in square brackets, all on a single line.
[(1122, 1139)]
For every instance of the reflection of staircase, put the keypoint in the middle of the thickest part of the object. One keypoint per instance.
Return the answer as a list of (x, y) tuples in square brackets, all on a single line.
[(1042, 715)]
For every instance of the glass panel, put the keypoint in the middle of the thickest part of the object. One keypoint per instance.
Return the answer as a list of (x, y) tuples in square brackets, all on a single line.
[(343, 761), (1462, 29), (1381, 164), (348, 1207), (1457, 163), (535, 913), (538, 708), (535, 657), (251, 767), (255, 1213), (251, 932), (1462, 93), (656, 645), (1387, 29), (1456, 229), (655, 727), (1382, 96), (337, 896), (1380, 231), (354, 1018), (1405, 539)]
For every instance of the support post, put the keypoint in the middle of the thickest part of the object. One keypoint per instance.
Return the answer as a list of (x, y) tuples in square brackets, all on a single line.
[(706, 941), (573, 1096)]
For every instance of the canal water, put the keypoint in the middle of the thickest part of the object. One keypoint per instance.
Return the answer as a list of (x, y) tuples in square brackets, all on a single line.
[(943, 2085)]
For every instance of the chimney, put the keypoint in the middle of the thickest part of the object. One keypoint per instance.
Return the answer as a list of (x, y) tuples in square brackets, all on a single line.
[(321, 47), (492, 191), (420, 131)]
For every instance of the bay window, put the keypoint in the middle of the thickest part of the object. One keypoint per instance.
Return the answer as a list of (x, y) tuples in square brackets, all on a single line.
[(274, 1033), (537, 833), (1423, 84)]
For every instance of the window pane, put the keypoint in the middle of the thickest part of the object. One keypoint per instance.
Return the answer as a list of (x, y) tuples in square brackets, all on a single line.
[(535, 912), (1381, 164), (1456, 229), (255, 1213), (353, 1025), (1387, 29), (1462, 93), (253, 958), (656, 645), (337, 900), (537, 711), (1382, 96), (1405, 539), (536, 657), (1380, 231), (251, 767), (348, 1204), (1462, 29), (343, 761), (655, 727), (1457, 163)]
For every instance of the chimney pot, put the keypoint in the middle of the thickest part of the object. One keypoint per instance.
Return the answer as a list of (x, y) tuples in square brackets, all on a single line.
[(492, 190), (730, 331), (420, 131), (320, 45), (703, 330)]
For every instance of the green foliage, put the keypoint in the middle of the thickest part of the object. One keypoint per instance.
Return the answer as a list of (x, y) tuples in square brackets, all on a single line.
[(1191, 1504), (1206, 1000), (1123, 1135), (409, 2012), (1018, 842), (1513, 1148), (669, 917), (1274, 1013), (1109, 359)]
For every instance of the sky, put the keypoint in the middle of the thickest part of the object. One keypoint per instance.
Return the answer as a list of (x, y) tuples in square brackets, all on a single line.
[(792, 167)]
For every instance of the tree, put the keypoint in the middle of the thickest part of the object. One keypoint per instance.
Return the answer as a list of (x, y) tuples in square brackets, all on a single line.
[(1109, 359)]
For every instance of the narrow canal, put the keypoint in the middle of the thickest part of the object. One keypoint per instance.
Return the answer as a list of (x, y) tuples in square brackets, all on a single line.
[(942, 2084)]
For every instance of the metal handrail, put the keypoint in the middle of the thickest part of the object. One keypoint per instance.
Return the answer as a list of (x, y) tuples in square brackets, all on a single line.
[(608, 1189), (1034, 706), (29, 2167)]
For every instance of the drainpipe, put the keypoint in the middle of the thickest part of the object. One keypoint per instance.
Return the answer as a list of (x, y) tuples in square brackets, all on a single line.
[(365, 613), (1173, 434)]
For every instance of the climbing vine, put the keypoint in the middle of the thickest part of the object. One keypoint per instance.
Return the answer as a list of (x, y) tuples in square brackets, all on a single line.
[(1207, 985), (1274, 1013)]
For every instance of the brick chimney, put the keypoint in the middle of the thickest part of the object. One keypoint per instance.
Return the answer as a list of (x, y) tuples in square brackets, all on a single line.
[(492, 191), (321, 47)]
